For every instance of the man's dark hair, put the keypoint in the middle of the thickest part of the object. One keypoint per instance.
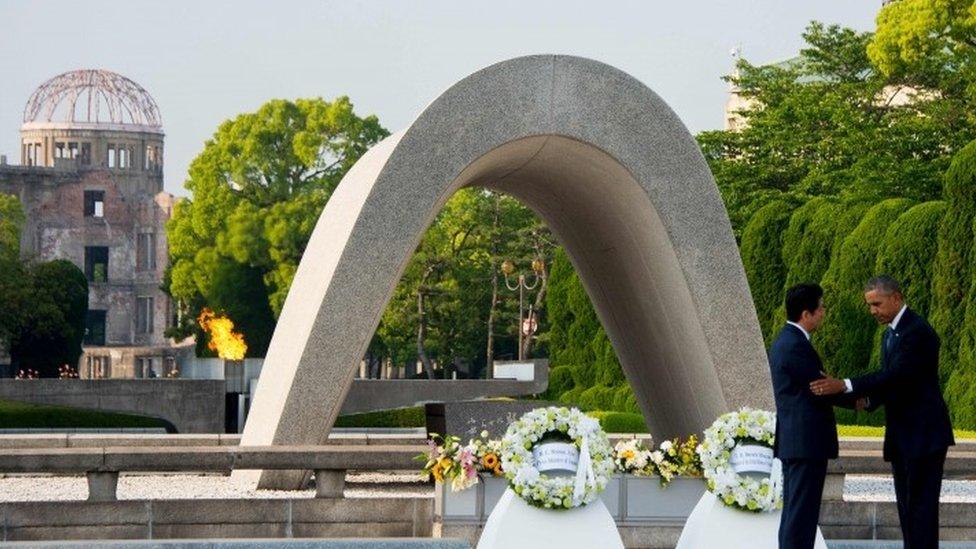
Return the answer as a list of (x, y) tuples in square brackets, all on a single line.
[(883, 283), (802, 297)]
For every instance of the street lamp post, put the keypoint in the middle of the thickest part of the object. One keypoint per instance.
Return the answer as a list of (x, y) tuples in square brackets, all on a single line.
[(508, 268)]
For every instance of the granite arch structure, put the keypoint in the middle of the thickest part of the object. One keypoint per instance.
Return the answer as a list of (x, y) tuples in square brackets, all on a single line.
[(621, 183)]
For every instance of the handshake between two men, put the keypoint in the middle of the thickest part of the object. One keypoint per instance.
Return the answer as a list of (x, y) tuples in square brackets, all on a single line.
[(917, 428)]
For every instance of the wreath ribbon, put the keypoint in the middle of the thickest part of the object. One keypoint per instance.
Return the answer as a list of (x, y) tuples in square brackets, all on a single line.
[(584, 471)]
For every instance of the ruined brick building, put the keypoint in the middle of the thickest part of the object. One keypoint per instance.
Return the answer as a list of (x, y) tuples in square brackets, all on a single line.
[(90, 181)]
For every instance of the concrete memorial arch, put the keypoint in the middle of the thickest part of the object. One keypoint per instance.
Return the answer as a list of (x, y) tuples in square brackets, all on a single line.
[(621, 183)]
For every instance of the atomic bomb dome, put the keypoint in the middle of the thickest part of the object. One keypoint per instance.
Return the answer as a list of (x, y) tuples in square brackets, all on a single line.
[(91, 187), (91, 99), (91, 119)]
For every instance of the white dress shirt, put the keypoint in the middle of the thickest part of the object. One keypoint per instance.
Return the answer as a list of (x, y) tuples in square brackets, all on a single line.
[(791, 323), (894, 323)]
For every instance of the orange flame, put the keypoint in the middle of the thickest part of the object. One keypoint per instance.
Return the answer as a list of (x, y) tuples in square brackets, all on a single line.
[(228, 344)]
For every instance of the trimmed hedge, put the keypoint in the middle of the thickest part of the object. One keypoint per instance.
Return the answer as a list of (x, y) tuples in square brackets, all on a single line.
[(24, 415), (846, 336), (399, 417), (908, 252), (960, 392), (951, 276), (620, 422), (817, 231), (762, 243), (803, 236)]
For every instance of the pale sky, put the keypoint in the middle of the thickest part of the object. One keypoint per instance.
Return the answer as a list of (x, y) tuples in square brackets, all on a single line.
[(207, 61)]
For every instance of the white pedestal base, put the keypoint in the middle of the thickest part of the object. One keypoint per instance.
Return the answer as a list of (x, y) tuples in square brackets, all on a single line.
[(514, 523), (713, 524)]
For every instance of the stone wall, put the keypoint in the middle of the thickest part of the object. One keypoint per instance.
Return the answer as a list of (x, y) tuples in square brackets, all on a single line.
[(191, 405), (216, 518)]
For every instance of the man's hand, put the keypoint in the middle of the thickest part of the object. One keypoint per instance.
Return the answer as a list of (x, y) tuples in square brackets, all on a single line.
[(861, 404), (828, 386)]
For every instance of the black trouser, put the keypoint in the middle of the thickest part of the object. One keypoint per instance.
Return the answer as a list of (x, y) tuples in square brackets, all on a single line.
[(803, 483), (918, 483)]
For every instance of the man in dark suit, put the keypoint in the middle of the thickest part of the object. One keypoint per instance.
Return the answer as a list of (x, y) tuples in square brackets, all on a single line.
[(917, 428), (806, 432)]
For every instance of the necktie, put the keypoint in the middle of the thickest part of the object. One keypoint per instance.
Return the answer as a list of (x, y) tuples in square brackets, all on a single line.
[(886, 340)]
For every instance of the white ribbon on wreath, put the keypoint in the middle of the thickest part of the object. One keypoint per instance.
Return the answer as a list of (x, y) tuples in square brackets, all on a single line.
[(584, 471)]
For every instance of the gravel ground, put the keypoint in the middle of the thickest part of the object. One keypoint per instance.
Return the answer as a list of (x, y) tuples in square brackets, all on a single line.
[(876, 488), (358, 485)]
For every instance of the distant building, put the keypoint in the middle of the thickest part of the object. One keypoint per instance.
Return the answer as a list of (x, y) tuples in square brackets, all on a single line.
[(90, 180), (736, 104)]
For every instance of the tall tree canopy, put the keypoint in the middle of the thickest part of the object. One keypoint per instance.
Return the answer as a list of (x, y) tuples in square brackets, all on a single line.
[(51, 329), (12, 273), (829, 123), (258, 188)]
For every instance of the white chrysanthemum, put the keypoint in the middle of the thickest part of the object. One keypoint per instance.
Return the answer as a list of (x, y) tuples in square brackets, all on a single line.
[(735, 490), (538, 488)]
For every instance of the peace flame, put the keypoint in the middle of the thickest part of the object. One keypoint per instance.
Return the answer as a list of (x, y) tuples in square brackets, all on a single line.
[(228, 344)]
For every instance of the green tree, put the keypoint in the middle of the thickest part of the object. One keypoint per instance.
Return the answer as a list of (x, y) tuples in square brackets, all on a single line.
[(828, 123), (927, 44), (11, 223), (12, 274), (51, 332), (450, 306), (762, 257), (258, 188), (802, 233)]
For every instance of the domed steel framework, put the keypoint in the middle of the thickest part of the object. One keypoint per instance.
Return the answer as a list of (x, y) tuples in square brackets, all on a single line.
[(88, 97)]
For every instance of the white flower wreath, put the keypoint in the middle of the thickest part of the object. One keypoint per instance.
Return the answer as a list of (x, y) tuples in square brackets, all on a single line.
[(756, 427), (552, 491)]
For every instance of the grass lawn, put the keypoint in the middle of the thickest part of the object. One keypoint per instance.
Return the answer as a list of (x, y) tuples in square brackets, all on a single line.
[(869, 431), (23, 415), (621, 422)]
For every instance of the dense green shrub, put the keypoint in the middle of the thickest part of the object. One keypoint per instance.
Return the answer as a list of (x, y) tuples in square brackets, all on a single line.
[(620, 422), (624, 399), (560, 381), (598, 397), (952, 269), (399, 417), (846, 337), (802, 234), (960, 386), (817, 230), (908, 251), (24, 415), (960, 391), (762, 258)]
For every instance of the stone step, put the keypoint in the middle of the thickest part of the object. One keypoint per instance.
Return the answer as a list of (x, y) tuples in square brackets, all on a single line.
[(891, 544)]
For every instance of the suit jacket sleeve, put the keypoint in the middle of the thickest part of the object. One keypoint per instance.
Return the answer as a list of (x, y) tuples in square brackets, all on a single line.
[(803, 366)]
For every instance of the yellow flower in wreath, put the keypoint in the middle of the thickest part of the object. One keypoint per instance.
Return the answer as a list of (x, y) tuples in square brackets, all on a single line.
[(436, 471), (490, 461)]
